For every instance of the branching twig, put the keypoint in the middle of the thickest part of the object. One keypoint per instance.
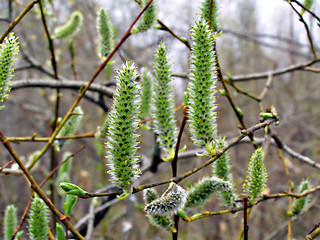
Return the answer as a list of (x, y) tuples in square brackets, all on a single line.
[(37, 189), (83, 91)]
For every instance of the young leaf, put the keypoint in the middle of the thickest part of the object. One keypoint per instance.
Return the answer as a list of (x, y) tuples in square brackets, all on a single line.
[(69, 203), (257, 175), (172, 201), (8, 50), (60, 232), (39, 219), (122, 124), (201, 89), (72, 189), (163, 102), (71, 27)]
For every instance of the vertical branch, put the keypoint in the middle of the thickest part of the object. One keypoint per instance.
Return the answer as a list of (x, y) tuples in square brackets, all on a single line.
[(307, 30), (286, 170), (174, 163), (53, 160)]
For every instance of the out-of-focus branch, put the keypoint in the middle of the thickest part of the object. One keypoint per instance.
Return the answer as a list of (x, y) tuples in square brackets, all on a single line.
[(70, 84)]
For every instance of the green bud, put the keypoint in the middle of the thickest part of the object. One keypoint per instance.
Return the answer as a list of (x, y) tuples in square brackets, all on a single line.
[(72, 189), (222, 92), (239, 112)]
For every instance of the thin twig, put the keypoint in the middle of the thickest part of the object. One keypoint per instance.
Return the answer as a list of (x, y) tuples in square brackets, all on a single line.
[(37, 189), (17, 20)]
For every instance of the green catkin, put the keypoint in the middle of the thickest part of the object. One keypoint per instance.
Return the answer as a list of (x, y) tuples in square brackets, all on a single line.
[(122, 124), (147, 19), (213, 18), (38, 220), (105, 32), (299, 205), (150, 195), (8, 50), (257, 175), (71, 27), (146, 93), (172, 201), (201, 89), (10, 221), (70, 127), (203, 190), (163, 102), (222, 169)]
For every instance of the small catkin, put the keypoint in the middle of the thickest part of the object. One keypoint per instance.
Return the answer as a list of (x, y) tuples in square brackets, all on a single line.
[(8, 50), (38, 220), (172, 201), (71, 27), (164, 121), (257, 175)]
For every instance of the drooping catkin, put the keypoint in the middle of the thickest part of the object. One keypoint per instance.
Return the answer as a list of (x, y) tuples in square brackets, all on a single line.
[(172, 201), (71, 27)]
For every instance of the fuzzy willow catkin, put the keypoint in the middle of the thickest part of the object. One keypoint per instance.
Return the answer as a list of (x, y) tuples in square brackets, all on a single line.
[(71, 27), (172, 201), (203, 190), (146, 93), (257, 175), (122, 124), (300, 204), (222, 169), (150, 195), (163, 102), (201, 88), (8, 50), (38, 220), (212, 18), (105, 31), (148, 17), (10, 221)]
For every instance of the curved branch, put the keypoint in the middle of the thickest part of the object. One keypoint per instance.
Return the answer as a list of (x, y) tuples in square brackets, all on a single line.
[(70, 84)]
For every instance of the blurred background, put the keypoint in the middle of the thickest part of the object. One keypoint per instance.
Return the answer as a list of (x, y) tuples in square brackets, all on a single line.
[(256, 37)]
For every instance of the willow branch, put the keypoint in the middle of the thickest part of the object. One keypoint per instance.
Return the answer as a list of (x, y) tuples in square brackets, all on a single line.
[(265, 197), (37, 189), (17, 20), (45, 139), (65, 84)]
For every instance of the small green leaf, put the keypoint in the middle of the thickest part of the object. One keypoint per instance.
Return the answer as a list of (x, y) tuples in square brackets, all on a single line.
[(72, 189), (60, 232), (69, 203)]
